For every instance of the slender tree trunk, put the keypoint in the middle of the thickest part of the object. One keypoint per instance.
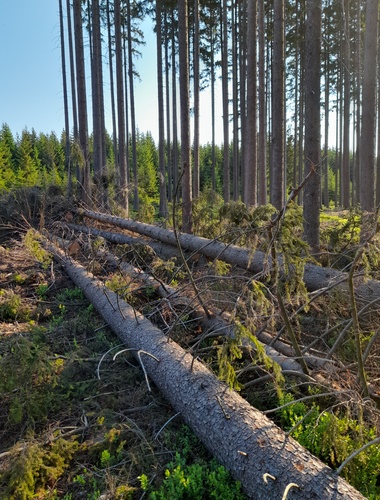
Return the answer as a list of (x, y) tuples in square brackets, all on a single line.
[(262, 140), (226, 116), (367, 141), (99, 131), (312, 190), (325, 166), (345, 179), (163, 210), (132, 110), (122, 157), (250, 163), (185, 115), (72, 71), (169, 181), (242, 84), (78, 171), (301, 128), (277, 188), (65, 103), (85, 181), (175, 182), (235, 105), (112, 84), (126, 94), (358, 102), (196, 48), (212, 78)]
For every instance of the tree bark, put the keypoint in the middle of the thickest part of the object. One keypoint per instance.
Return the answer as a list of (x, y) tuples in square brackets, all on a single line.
[(312, 190), (367, 141), (262, 140), (196, 79), (84, 181), (163, 209), (225, 104), (250, 149), (122, 155), (345, 180), (65, 103), (277, 184), (315, 277), (132, 107), (244, 440), (183, 35)]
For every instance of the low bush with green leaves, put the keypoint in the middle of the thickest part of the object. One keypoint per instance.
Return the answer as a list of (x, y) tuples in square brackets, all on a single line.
[(334, 437)]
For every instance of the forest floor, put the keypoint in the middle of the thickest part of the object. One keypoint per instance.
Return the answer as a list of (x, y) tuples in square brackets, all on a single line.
[(74, 423), (77, 423)]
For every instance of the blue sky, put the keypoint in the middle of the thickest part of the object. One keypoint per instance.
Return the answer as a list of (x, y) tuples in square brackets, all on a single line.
[(31, 83), (31, 76)]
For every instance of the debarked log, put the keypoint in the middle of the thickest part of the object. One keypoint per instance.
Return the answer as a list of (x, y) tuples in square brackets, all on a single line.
[(315, 277), (244, 440)]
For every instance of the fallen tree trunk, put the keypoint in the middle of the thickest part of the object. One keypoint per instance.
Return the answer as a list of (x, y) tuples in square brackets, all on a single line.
[(239, 436), (281, 353), (315, 277), (162, 249), (213, 323)]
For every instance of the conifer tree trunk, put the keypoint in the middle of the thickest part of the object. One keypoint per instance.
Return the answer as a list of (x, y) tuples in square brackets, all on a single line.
[(367, 141), (122, 157), (250, 161), (183, 37), (312, 189), (262, 138), (196, 178), (163, 211), (84, 181), (235, 104), (99, 146), (132, 110), (112, 85), (277, 185), (65, 103), (168, 116), (345, 180), (175, 180), (225, 99)]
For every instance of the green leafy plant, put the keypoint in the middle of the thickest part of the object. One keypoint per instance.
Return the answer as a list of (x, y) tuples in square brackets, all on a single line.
[(38, 467), (33, 244), (333, 437), (194, 482), (10, 305), (29, 374)]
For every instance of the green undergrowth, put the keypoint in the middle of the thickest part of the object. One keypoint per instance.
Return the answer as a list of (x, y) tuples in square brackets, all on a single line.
[(332, 437), (76, 424), (192, 474)]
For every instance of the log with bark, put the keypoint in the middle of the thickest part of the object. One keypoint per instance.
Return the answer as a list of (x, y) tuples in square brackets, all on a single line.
[(244, 440), (278, 351), (211, 322), (315, 277), (165, 251)]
